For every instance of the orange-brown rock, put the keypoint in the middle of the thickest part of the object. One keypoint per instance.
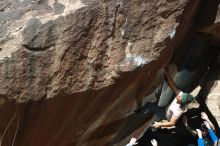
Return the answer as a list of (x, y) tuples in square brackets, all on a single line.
[(73, 72)]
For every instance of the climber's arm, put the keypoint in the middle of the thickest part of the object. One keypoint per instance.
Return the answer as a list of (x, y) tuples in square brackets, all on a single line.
[(171, 83), (185, 122), (211, 133), (205, 117), (193, 132), (170, 123), (200, 139)]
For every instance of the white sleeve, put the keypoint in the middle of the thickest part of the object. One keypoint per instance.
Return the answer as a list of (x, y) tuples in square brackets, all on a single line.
[(177, 114)]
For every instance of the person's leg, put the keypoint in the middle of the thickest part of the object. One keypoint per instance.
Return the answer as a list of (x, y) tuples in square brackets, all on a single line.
[(153, 107)]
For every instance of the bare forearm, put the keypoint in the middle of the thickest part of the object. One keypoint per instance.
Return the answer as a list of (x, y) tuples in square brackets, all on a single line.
[(211, 125), (172, 85), (166, 124), (191, 130)]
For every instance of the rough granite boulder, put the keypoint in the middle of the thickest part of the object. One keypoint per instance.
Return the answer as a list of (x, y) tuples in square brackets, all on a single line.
[(72, 72), (51, 47)]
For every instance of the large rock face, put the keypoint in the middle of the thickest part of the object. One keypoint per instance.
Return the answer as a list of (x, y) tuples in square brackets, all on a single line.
[(53, 47), (72, 72)]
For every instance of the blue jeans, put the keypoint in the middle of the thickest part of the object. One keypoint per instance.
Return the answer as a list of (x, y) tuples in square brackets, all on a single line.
[(154, 108)]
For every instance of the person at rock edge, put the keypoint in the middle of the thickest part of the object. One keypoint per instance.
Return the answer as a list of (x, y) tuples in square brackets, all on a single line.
[(204, 130), (212, 135), (174, 110), (206, 139)]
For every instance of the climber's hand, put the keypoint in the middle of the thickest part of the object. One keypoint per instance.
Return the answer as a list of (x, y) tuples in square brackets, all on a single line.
[(154, 142), (204, 116), (207, 125), (199, 133), (156, 125), (133, 141)]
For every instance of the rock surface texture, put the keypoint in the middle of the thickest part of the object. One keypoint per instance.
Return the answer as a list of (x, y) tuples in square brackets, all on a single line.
[(213, 100), (73, 71), (51, 47)]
